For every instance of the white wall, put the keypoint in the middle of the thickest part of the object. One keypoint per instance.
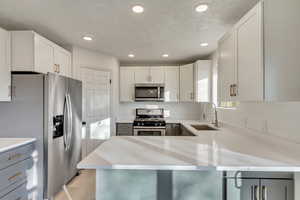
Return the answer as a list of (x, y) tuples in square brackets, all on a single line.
[(188, 111), (96, 60)]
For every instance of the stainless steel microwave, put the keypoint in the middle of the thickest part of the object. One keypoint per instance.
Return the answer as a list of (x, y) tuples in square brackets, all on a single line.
[(149, 92)]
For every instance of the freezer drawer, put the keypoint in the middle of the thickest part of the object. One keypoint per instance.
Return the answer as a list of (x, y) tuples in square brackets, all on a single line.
[(16, 155)]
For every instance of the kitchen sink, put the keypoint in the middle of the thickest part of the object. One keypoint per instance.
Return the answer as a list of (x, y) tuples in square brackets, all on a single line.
[(203, 127)]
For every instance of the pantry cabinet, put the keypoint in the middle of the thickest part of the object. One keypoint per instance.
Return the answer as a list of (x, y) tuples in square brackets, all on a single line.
[(187, 83), (5, 69), (172, 84), (33, 53), (241, 60)]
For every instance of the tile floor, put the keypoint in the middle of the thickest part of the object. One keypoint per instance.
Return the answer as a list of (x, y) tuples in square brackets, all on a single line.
[(81, 187)]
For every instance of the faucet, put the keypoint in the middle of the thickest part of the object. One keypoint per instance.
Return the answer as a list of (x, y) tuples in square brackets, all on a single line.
[(216, 121)]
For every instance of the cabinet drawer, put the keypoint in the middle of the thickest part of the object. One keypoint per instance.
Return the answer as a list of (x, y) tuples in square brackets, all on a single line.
[(18, 194), (14, 173), (16, 155), (124, 129)]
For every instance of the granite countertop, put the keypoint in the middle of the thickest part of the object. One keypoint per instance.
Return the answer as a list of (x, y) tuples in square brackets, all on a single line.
[(7, 144), (228, 148)]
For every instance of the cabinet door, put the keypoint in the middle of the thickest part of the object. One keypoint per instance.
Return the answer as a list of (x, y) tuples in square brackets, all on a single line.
[(277, 189), (127, 84), (5, 70), (124, 129), (242, 189), (187, 83), (62, 60), (172, 84), (227, 66), (44, 56), (203, 70), (250, 56), (157, 74), (142, 74)]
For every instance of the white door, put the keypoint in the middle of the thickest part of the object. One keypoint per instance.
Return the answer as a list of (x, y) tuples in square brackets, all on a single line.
[(227, 66), (187, 83), (142, 74), (157, 74), (172, 84), (126, 84), (96, 108), (203, 70), (62, 58), (250, 56), (5, 70)]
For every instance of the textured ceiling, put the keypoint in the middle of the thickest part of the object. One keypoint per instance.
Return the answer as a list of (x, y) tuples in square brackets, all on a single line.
[(166, 26)]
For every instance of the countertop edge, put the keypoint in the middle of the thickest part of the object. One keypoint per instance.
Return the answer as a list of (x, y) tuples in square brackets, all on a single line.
[(17, 143)]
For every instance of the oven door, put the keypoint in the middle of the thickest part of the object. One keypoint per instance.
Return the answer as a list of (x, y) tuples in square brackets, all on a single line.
[(147, 131)]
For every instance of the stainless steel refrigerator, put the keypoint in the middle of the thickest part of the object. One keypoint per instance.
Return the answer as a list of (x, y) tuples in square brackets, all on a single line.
[(49, 108)]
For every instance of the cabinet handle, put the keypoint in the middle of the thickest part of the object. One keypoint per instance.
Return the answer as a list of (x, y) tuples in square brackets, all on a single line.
[(9, 91), (230, 91), (256, 192), (264, 193), (234, 86), (15, 156), (13, 177)]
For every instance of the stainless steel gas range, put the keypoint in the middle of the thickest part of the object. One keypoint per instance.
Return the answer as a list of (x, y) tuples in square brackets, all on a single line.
[(149, 122)]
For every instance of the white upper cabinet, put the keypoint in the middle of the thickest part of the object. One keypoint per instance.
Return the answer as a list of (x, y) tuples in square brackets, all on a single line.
[(62, 62), (187, 83), (157, 74), (172, 84), (227, 67), (34, 53), (203, 76), (5, 69), (127, 84), (250, 71), (241, 60), (142, 74)]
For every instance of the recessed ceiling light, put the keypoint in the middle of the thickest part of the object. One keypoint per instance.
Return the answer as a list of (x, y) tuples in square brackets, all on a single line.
[(138, 9), (204, 44), (201, 8), (131, 55), (87, 38), (165, 55)]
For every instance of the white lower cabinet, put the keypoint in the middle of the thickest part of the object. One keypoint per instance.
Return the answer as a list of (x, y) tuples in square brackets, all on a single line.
[(187, 83), (34, 53), (172, 84), (5, 70)]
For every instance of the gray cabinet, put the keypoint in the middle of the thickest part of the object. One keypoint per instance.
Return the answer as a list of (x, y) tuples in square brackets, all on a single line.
[(259, 187), (124, 129), (17, 178), (173, 129)]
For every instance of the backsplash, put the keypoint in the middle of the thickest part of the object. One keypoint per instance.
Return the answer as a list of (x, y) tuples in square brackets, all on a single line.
[(188, 111), (276, 119)]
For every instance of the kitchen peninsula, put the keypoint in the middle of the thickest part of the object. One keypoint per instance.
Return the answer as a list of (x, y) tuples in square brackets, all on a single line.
[(141, 164)]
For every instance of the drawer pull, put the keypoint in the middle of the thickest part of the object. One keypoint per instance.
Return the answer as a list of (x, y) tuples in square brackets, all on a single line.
[(15, 156), (19, 198), (14, 176)]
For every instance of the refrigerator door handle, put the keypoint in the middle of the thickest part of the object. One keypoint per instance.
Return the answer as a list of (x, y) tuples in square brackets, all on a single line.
[(70, 121), (65, 126)]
